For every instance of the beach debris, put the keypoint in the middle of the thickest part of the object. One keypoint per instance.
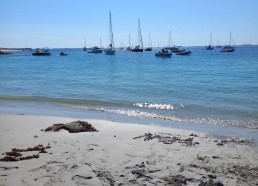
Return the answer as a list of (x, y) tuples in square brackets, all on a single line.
[(72, 127), (210, 182), (167, 139), (239, 141), (16, 154), (194, 135), (177, 180), (105, 176), (35, 136), (81, 177)]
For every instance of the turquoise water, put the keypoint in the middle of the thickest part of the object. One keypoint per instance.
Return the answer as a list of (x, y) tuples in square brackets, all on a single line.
[(206, 88)]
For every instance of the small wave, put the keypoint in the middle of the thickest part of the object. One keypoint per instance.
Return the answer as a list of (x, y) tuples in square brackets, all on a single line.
[(157, 106), (207, 121)]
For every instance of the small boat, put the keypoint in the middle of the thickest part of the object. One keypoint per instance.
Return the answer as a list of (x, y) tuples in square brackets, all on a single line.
[(95, 50), (63, 54), (163, 53), (149, 48), (218, 45), (210, 46), (184, 52), (110, 50), (4, 53), (138, 48), (228, 48), (41, 52), (171, 48), (84, 48)]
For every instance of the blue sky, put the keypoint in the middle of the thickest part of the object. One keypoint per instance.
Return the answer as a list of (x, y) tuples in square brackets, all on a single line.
[(52, 23)]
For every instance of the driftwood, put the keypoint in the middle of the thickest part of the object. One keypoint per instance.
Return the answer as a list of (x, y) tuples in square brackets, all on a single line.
[(73, 127)]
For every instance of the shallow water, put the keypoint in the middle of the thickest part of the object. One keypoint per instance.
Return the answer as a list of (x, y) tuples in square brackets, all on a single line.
[(206, 88)]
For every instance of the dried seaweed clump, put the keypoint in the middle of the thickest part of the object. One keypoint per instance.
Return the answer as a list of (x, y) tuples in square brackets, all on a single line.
[(73, 127), (16, 154)]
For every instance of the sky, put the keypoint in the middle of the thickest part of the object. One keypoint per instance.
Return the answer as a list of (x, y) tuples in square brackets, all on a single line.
[(64, 24)]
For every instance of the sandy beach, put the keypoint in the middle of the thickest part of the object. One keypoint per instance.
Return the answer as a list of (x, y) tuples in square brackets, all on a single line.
[(122, 154)]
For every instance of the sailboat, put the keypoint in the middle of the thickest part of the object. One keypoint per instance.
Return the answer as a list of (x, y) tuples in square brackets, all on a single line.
[(96, 49), (84, 48), (129, 47), (228, 48), (110, 50), (172, 48), (210, 46), (139, 48), (149, 48)]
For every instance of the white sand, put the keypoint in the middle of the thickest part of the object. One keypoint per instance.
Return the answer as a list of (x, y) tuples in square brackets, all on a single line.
[(112, 157)]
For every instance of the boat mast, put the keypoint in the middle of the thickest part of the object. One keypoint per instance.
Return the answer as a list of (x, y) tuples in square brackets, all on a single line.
[(169, 39), (149, 39), (85, 43), (111, 31), (140, 33), (129, 41), (211, 42), (100, 42)]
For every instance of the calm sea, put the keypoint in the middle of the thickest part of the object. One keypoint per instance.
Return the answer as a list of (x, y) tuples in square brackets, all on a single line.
[(205, 88)]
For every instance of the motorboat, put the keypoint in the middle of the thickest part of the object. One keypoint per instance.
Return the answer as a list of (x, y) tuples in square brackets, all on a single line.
[(183, 52), (95, 50), (63, 54), (137, 49), (163, 53), (42, 52)]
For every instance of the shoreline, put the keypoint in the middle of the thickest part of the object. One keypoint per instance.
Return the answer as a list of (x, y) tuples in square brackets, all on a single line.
[(52, 109), (120, 154)]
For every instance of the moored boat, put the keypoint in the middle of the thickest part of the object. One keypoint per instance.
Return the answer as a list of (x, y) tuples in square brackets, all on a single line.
[(163, 53), (110, 50), (149, 48), (210, 46), (138, 48), (184, 52), (95, 50), (228, 48), (63, 54), (42, 52)]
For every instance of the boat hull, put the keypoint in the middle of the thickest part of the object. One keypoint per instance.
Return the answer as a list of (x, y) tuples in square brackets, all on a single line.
[(228, 50), (95, 51), (137, 50), (184, 53), (41, 54), (148, 49), (163, 55), (110, 52)]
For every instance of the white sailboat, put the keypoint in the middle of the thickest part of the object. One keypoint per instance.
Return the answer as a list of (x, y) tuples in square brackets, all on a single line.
[(96, 49), (150, 47), (84, 48), (210, 46), (129, 47), (139, 48), (229, 48), (110, 50), (172, 48)]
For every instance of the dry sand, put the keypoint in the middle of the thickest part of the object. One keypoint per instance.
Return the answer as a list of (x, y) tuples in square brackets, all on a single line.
[(121, 154)]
